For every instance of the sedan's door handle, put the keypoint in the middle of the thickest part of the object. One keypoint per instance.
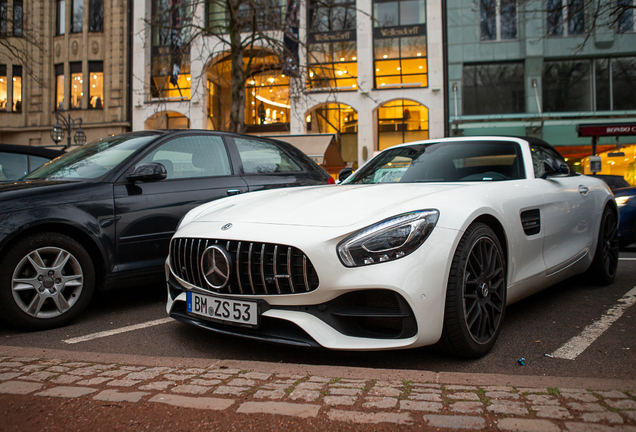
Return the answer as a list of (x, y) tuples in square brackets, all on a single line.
[(231, 192), (583, 190)]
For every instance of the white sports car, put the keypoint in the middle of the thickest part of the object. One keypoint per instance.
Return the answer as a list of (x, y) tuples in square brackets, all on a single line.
[(428, 242)]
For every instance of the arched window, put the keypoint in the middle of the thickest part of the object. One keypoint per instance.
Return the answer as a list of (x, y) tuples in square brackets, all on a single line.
[(401, 121)]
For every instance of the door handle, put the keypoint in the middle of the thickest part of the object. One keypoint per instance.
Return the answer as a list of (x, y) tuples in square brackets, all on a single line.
[(583, 190), (231, 192)]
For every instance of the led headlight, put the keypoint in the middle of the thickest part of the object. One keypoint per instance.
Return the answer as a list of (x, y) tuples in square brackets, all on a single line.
[(623, 200), (388, 240)]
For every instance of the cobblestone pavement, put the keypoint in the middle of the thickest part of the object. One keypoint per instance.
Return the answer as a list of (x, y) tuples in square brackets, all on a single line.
[(330, 399)]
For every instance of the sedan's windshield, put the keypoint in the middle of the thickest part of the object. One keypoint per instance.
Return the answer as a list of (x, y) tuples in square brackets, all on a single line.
[(444, 162), (91, 160)]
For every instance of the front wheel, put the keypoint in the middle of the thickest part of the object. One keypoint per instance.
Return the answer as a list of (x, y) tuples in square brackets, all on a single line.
[(46, 280), (476, 294), (605, 263)]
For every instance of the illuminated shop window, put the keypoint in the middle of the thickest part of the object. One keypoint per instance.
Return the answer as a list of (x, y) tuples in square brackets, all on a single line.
[(332, 45), (77, 82), (96, 85), (267, 99), (399, 44), (214, 106), (17, 89), (3, 87), (401, 121), (59, 87)]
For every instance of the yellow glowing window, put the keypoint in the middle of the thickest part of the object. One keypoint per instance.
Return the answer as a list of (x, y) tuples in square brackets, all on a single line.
[(76, 90)]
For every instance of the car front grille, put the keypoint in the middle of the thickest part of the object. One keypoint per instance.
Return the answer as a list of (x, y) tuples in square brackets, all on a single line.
[(256, 268)]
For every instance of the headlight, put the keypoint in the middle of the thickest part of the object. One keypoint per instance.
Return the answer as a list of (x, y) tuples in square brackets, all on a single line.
[(622, 200), (388, 240)]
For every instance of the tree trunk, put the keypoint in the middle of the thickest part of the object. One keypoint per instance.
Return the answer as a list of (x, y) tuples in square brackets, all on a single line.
[(237, 109)]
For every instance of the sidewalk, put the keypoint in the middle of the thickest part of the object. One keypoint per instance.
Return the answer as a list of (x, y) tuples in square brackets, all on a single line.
[(65, 390)]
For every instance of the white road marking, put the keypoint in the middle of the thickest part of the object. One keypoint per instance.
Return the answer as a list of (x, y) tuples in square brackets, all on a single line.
[(575, 346), (117, 331), (627, 259)]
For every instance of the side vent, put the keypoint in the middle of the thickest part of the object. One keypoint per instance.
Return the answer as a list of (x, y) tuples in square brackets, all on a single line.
[(531, 222)]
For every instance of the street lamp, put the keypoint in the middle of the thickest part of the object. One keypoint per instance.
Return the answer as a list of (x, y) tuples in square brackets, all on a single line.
[(57, 133)]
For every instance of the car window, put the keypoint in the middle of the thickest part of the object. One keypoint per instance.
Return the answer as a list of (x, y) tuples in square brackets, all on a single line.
[(261, 157), (192, 156), (12, 166), (37, 161), (539, 156)]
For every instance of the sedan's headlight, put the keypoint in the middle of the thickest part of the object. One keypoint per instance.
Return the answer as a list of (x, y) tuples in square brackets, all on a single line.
[(388, 240), (622, 200)]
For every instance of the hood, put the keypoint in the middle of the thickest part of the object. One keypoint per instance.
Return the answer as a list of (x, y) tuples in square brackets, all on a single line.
[(21, 195), (321, 206)]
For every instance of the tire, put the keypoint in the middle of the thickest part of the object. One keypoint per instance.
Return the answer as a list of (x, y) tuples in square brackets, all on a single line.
[(603, 268), (46, 280), (476, 294)]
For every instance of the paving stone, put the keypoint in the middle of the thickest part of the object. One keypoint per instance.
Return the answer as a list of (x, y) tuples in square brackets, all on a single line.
[(12, 364), (191, 389), (586, 427), (143, 375), (610, 417), (348, 385), (630, 415), (157, 385), (340, 400), (116, 396), (379, 402), (505, 407), (294, 378), (615, 394), (532, 390), (93, 381), (344, 392), (228, 390), (319, 379), (463, 396), (206, 403), (114, 373), (215, 376), (190, 371), (32, 368), (67, 392), (369, 418), (621, 404), (304, 394), (38, 376), (132, 368), (310, 386), (66, 379), (586, 406), (9, 375), (427, 385), (356, 381), (256, 376), (279, 408), (385, 391), (58, 369), (431, 397), (467, 407), (501, 395), (25, 359), (208, 383), (270, 394), (527, 425), (459, 387), (123, 383), (421, 406), (274, 386), (553, 412), (455, 422), (426, 390), (178, 377), (83, 372), (581, 397), (498, 388), (19, 387), (228, 371), (542, 399), (102, 367)]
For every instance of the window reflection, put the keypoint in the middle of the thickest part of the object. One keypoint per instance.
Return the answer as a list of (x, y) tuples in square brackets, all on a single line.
[(96, 17), (493, 88), (60, 18)]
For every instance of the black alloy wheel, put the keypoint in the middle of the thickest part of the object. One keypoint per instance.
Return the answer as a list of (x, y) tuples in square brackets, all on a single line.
[(605, 262), (476, 294)]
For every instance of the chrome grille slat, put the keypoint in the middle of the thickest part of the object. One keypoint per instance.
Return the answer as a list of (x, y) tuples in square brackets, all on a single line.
[(283, 269)]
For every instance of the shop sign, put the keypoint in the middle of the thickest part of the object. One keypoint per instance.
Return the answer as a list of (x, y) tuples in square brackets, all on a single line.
[(402, 31), (337, 36), (587, 130)]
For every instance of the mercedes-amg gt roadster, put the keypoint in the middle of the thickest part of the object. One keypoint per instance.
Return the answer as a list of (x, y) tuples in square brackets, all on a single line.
[(426, 243)]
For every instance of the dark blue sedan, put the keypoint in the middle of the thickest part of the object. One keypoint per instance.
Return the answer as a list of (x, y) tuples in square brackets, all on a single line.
[(626, 201)]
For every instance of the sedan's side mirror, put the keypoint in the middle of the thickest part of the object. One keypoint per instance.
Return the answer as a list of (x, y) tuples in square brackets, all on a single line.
[(344, 173), (148, 172), (553, 166)]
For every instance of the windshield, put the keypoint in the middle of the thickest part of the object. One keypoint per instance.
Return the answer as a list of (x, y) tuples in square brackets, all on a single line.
[(443, 162), (91, 160)]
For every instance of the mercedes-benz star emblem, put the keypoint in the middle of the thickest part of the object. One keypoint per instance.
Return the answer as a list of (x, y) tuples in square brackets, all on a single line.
[(226, 227), (216, 266)]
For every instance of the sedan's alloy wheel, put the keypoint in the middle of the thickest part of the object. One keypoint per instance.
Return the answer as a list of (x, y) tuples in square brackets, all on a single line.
[(47, 282)]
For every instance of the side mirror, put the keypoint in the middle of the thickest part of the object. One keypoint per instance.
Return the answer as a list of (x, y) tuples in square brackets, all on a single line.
[(148, 172), (344, 173), (553, 166)]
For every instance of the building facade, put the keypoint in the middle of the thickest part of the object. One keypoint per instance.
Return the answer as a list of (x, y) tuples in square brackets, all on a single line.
[(73, 60), (527, 68), (370, 72)]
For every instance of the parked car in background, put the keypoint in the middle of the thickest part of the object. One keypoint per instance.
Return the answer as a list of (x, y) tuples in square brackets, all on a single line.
[(613, 181), (18, 160), (427, 242), (103, 214), (626, 201)]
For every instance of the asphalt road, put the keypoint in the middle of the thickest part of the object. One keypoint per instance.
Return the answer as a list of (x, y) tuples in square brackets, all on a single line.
[(534, 327)]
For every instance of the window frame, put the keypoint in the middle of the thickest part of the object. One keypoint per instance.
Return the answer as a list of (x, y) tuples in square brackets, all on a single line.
[(499, 16), (18, 19), (563, 12), (76, 68), (17, 73), (95, 22), (77, 6), (59, 71), (95, 67), (465, 86), (60, 17)]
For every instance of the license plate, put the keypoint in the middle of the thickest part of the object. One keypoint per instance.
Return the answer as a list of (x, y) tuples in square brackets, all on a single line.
[(223, 309)]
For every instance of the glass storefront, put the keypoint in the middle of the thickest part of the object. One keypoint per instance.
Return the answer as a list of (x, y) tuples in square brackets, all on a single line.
[(401, 121), (620, 162)]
